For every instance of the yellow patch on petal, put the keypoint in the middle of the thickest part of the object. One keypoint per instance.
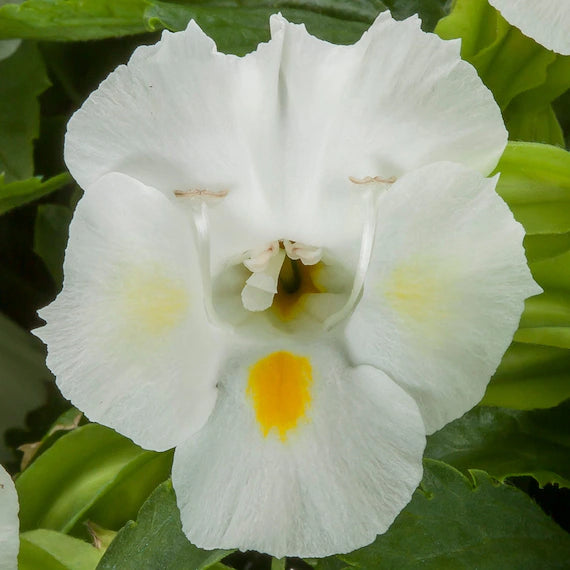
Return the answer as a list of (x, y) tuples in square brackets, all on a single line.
[(279, 386), (417, 290), (151, 301)]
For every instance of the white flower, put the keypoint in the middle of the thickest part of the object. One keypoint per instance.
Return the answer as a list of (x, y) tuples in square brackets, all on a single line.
[(238, 213), (9, 540), (546, 21)]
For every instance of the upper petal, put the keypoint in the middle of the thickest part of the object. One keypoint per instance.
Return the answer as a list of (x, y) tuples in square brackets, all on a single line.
[(282, 128), (331, 484), (546, 21), (9, 524), (445, 289), (128, 339)]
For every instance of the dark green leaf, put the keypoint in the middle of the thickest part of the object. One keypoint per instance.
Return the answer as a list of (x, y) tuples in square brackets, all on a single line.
[(156, 540), (429, 11), (22, 192), (50, 550), (23, 79), (83, 469), (50, 237), (458, 523), (23, 374), (507, 443)]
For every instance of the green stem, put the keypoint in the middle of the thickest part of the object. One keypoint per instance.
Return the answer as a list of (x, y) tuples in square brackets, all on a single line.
[(278, 563)]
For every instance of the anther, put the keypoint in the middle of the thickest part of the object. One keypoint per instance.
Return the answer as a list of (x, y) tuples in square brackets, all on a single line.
[(207, 196), (372, 179)]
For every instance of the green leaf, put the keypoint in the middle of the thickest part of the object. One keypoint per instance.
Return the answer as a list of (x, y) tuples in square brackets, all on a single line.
[(535, 183), (429, 11), (156, 540), (530, 376), (505, 443), (77, 20), (23, 192), (50, 550), (239, 27), (538, 124), (461, 523), (50, 237), (23, 79), (508, 62), (23, 375), (84, 469)]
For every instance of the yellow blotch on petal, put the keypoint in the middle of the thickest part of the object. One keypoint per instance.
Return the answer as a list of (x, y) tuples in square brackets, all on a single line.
[(151, 301), (416, 289), (280, 387)]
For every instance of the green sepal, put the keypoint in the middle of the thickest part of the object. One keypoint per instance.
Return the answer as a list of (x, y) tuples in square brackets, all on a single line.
[(23, 192), (505, 443), (156, 540), (457, 521), (83, 475), (43, 549)]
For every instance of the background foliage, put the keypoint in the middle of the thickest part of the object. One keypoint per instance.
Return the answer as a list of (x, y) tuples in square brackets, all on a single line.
[(493, 479)]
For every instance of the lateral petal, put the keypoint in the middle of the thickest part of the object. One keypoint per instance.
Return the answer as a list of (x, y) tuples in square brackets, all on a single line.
[(9, 524), (128, 339), (445, 289)]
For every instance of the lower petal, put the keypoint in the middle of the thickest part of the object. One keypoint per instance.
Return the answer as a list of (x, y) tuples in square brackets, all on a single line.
[(324, 472), (9, 526)]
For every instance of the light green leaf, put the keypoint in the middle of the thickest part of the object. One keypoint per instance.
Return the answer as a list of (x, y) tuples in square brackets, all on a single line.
[(23, 375), (530, 376), (535, 183), (23, 192), (23, 79), (505, 443), (50, 237), (81, 471), (50, 550), (461, 523), (156, 540), (77, 20)]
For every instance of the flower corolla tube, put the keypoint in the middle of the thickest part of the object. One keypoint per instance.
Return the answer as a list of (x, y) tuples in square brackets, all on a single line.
[(291, 267), (9, 539), (545, 21)]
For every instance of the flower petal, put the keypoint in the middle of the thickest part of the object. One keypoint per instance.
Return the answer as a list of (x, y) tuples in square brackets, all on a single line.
[(335, 481), (546, 21), (396, 100), (9, 525), (127, 337), (445, 289)]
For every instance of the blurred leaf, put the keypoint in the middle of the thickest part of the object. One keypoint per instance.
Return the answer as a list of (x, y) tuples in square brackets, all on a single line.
[(56, 20), (22, 376), (507, 443), (429, 11), (50, 237), (458, 523), (530, 376), (22, 192), (49, 550), (156, 540), (23, 79), (66, 484)]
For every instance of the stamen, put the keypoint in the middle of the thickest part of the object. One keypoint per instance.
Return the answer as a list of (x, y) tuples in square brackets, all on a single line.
[(372, 197), (308, 254), (258, 259), (211, 197), (372, 179), (261, 287)]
